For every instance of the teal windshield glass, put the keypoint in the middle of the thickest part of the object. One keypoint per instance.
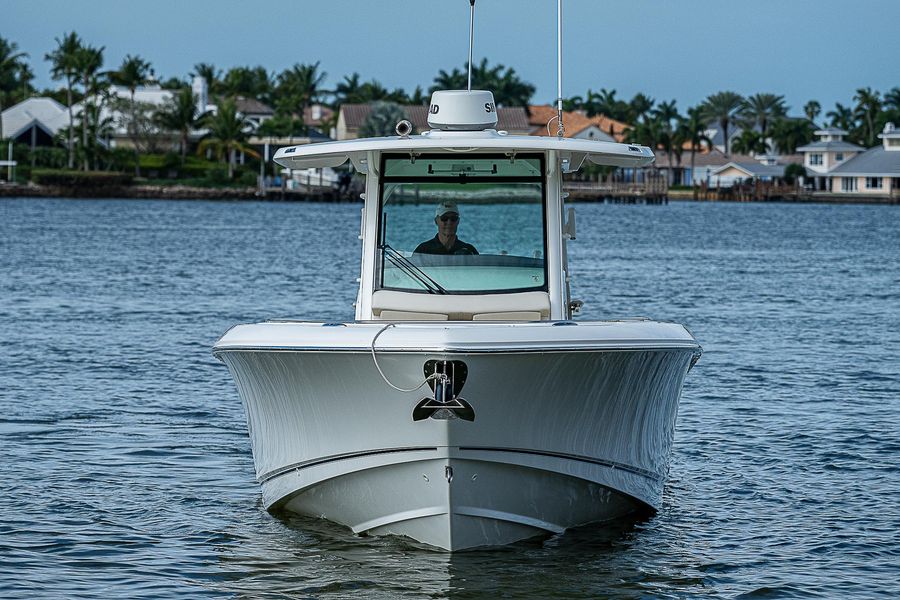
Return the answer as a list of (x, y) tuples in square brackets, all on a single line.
[(462, 225)]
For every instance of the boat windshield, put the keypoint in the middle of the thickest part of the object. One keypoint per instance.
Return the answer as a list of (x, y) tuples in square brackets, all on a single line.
[(462, 224)]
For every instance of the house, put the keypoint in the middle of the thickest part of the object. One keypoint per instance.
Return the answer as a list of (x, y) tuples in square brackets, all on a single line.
[(319, 117), (116, 132), (715, 133), (34, 121), (253, 110), (706, 163), (734, 172), (826, 154), (576, 124), (351, 117), (875, 171)]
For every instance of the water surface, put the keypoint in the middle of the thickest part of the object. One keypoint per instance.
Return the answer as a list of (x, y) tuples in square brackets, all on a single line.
[(125, 467)]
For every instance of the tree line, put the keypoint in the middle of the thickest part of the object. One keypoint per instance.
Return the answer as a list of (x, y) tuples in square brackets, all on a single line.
[(79, 67)]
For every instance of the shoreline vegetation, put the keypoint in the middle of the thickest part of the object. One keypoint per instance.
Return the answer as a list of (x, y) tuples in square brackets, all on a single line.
[(204, 146)]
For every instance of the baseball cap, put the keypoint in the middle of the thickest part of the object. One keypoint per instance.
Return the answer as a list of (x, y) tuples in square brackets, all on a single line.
[(448, 206)]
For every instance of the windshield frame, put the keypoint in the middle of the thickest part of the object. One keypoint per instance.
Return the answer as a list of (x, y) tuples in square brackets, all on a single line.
[(382, 180)]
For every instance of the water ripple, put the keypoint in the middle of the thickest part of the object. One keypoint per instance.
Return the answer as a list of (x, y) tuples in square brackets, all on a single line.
[(125, 467)]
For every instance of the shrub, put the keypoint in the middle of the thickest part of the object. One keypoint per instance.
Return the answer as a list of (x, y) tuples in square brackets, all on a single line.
[(65, 178), (217, 175), (248, 178), (793, 171)]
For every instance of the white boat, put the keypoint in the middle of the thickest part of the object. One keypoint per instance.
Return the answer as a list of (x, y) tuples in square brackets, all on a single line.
[(463, 407)]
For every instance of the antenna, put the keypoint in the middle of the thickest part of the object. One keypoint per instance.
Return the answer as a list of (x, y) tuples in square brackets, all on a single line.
[(560, 130), (471, 39)]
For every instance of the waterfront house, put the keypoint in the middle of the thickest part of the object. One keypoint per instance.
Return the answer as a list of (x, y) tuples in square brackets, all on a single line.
[(705, 161), (253, 110), (826, 154), (34, 121), (715, 133), (874, 172), (153, 96), (352, 116), (736, 171), (577, 124)]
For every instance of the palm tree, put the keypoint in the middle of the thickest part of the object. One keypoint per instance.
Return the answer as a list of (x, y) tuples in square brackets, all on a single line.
[(892, 105), (841, 116), (645, 133), (640, 106), (347, 91), (454, 80), (760, 109), (88, 61), (10, 66), (812, 109), (508, 88), (180, 114), (250, 82), (298, 87), (750, 142), (788, 134), (65, 67), (419, 97), (692, 130), (722, 107), (382, 120), (226, 134), (892, 99), (133, 73), (212, 76), (868, 108), (26, 76), (605, 102), (573, 103), (665, 115)]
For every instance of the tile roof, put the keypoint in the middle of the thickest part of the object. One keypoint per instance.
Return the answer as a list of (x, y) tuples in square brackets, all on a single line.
[(252, 106), (873, 162), (316, 115), (575, 122), (511, 118)]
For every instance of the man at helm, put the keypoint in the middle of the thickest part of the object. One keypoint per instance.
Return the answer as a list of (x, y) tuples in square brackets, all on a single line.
[(446, 217)]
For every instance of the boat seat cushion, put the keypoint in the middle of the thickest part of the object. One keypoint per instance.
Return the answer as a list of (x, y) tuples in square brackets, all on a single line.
[(513, 315), (404, 315), (406, 306)]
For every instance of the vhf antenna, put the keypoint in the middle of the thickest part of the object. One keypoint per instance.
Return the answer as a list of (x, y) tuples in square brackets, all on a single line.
[(471, 39), (560, 130)]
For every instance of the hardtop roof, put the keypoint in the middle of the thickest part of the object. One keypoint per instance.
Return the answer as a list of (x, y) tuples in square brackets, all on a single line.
[(334, 154)]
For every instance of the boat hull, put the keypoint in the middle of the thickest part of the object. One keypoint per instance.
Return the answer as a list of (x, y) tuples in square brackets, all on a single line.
[(560, 437)]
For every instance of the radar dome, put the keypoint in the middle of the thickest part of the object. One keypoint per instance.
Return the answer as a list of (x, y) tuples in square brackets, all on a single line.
[(462, 110)]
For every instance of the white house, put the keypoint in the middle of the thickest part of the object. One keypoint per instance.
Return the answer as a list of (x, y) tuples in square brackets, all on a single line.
[(34, 121), (733, 172), (873, 172), (826, 154)]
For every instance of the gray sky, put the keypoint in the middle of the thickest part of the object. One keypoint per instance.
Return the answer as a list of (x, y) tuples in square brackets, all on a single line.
[(668, 49)]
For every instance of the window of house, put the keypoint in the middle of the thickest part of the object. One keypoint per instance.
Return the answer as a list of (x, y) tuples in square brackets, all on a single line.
[(848, 184), (839, 156), (815, 159), (873, 183)]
